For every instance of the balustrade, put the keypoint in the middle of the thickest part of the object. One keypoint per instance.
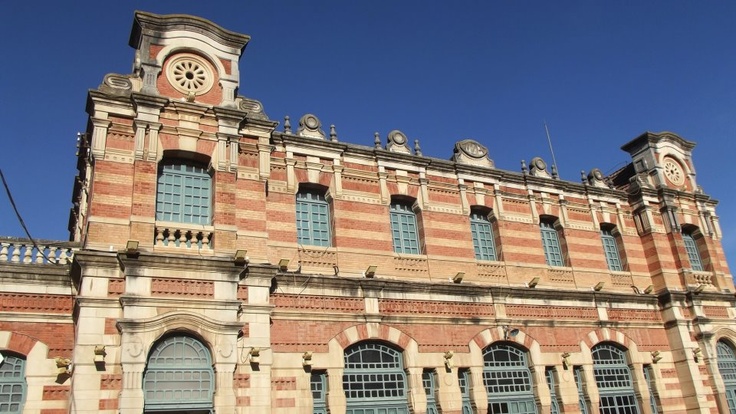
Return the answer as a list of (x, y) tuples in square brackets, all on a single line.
[(183, 238), (43, 252)]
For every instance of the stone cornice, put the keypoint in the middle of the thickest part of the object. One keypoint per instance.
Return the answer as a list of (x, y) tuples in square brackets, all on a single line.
[(155, 23)]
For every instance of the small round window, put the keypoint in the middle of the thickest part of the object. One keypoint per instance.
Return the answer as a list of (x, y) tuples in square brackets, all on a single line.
[(189, 73)]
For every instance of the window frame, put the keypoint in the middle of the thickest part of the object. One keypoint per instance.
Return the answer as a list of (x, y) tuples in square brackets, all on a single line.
[(179, 206), (692, 248), (318, 387), (405, 235), (384, 376), (483, 235), (614, 379), (508, 380), (203, 371), (13, 382), (554, 255), (726, 361), (313, 218), (610, 240)]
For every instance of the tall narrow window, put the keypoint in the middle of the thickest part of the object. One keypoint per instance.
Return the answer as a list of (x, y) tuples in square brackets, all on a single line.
[(318, 384), (579, 381), (551, 244), (693, 254), (508, 380), (312, 218), (482, 232), (179, 376), (727, 369), (551, 383), (374, 380), (649, 378), (404, 228), (463, 379), (12, 384), (610, 248), (183, 193), (428, 381), (613, 377)]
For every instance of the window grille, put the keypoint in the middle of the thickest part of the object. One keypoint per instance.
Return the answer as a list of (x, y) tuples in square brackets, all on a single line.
[(610, 248), (551, 244), (463, 379), (483, 240), (312, 219), (12, 384), (649, 378), (693, 254), (404, 229), (613, 377), (582, 403), (374, 380), (555, 404), (727, 369), (183, 194), (179, 376), (508, 381), (428, 380), (318, 384)]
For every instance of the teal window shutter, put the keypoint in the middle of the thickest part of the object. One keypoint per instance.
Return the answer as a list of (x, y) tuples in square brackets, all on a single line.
[(404, 229), (428, 380), (550, 375), (318, 384), (463, 379), (693, 254), (183, 193), (582, 403), (483, 240), (649, 378), (610, 248), (551, 244), (12, 384), (312, 219)]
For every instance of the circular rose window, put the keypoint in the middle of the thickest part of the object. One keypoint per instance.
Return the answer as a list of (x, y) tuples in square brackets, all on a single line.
[(673, 171), (189, 73)]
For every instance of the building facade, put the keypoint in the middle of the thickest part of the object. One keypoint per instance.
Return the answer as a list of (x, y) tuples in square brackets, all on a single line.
[(222, 261)]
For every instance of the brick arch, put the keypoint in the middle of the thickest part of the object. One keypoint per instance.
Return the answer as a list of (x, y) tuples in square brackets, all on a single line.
[(488, 336), (599, 335), (368, 331), (20, 343), (726, 334)]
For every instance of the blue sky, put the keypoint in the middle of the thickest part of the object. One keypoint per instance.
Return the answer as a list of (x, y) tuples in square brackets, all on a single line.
[(600, 74)]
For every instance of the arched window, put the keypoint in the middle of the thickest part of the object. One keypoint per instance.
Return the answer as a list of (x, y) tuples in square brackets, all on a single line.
[(610, 248), (12, 384), (613, 377), (179, 376), (312, 218), (404, 227), (508, 380), (183, 192), (692, 249), (374, 380), (551, 242), (483, 239), (727, 369)]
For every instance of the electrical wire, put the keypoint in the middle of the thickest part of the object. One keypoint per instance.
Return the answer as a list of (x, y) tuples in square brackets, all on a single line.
[(22, 223)]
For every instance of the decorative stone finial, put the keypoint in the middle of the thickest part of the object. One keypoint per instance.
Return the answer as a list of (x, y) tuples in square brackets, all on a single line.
[(376, 140), (538, 168), (417, 149), (287, 124), (523, 167), (333, 133), (398, 142), (554, 172), (470, 151), (583, 178)]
